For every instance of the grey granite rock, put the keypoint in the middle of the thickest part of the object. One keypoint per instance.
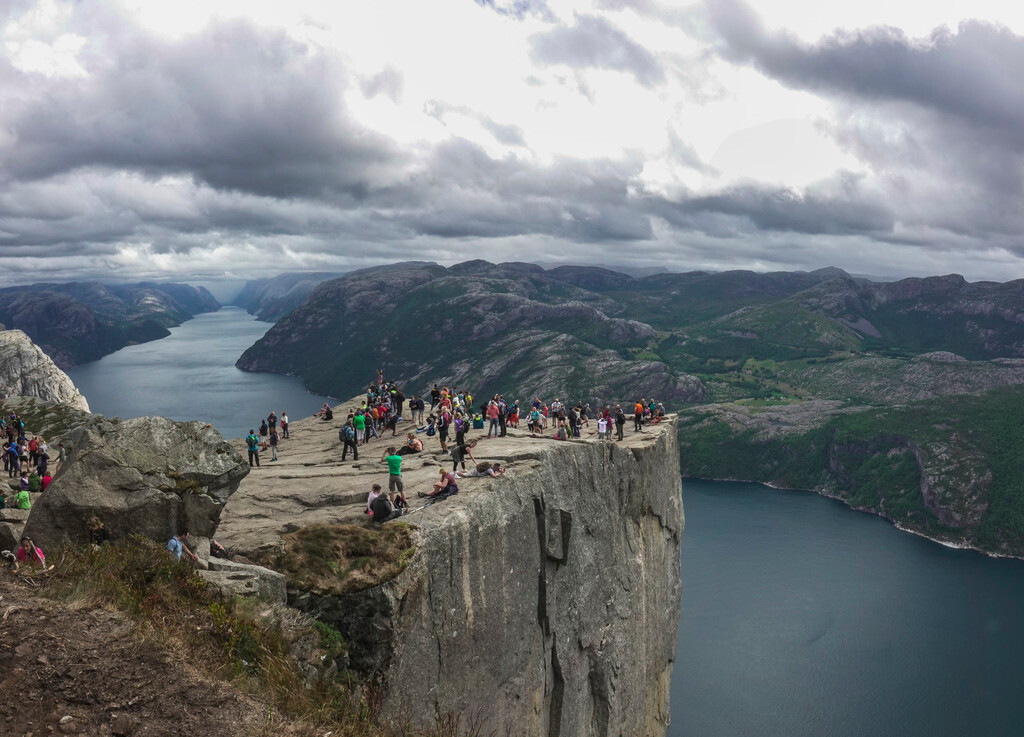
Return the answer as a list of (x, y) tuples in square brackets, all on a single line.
[(545, 602), (148, 475), (25, 371), (246, 580)]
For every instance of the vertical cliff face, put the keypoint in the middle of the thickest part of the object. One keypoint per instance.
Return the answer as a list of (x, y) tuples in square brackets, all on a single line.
[(25, 371), (546, 605)]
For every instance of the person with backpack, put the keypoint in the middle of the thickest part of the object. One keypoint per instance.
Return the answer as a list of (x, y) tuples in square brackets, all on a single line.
[(252, 443), (383, 508), (347, 436), (502, 414), (620, 421)]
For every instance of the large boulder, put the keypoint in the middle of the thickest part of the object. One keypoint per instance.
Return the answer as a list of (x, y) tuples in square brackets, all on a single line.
[(148, 475)]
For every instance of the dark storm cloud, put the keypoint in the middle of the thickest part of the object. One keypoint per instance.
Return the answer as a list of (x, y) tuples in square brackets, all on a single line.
[(940, 120), (475, 195), (837, 209), (234, 106), (968, 74), (595, 43)]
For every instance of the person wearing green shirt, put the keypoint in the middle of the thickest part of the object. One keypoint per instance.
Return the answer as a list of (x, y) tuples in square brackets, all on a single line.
[(21, 500), (360, 424), (33, 482), (394, 462)]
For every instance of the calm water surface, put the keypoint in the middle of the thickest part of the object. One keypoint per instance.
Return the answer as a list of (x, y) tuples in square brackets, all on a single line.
[(801, 617), (191, 375)]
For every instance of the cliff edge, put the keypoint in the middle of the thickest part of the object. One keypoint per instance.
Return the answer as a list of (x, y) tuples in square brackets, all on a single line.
[(545, 601)]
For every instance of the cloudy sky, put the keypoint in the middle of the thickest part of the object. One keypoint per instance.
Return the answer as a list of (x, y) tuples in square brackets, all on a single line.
[(202, 139)]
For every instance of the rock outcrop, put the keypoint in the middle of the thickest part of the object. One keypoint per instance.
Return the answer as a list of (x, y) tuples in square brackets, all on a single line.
[(545, 601), (149, 476), (26, 371)]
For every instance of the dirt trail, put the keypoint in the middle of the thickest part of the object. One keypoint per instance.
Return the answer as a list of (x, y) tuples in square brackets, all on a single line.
[(95, 667)]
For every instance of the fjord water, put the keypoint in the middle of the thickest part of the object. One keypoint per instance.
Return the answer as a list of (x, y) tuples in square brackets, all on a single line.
[(191, 375), (803, 618)]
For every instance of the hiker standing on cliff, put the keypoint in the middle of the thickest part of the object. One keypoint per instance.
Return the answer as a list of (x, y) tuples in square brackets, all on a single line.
[(274, 437), (272, 419), (435, 397), (347, 436), (252, 443), (620, 421), (284, 424), (394, 462)]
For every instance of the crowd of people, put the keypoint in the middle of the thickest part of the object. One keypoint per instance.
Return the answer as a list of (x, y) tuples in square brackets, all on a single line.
[(269, 437), (452, 413)]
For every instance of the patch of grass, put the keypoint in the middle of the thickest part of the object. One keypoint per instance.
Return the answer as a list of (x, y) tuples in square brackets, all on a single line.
[(338, 559), (238, 639)]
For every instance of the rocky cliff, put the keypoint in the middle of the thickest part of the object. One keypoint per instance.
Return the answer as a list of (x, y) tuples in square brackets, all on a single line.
[(83, 321), (25, 371), (543, 602)]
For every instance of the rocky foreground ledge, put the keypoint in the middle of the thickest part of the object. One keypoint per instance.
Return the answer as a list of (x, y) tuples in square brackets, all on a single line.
[(542, 602)]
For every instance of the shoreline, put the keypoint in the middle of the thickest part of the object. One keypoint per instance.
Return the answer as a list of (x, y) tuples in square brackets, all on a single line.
[(867, 510)]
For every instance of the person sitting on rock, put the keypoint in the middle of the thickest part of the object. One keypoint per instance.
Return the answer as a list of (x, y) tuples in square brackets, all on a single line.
[(444, 487), (45, 481), (29, 553), (561, 433), (33, 482), (23, 481), (412, 445), (20, 500), (383, 509), (217, 550), (374, 493), (178, 545), (98, 534)]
